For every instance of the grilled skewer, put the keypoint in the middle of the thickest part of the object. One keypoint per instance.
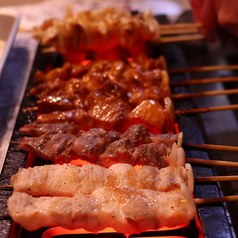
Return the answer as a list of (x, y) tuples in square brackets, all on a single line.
[(116, 188)]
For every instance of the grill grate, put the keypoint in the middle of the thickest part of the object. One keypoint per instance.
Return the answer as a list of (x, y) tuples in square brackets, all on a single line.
[(210, 217)]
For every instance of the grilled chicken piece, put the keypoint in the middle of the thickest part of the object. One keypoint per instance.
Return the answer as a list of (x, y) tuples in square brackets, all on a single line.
[(109, 113), (119, 151), (130, 202), (91, 144), (152, 154), (54, 103), (78, 116), (35, 129), (150, 113), (50, 146), (138, 134), (62, 73)]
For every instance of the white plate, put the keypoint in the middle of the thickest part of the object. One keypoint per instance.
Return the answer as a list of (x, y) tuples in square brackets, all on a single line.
[(9, 23)]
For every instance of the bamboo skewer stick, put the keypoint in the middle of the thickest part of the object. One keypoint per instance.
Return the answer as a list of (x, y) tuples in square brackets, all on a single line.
[(50, 49), (171, 39), (14, 142), (206, 109), (212, 147), (212, 162), (204, 94), (200, 201), (180, 26), (6, 186), (216, 178), (205, 80), (172, 31), (35, 108), (204, 68), (5, 216)]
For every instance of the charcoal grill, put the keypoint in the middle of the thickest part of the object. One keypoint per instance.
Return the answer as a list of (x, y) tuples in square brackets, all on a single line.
[(213, 220)]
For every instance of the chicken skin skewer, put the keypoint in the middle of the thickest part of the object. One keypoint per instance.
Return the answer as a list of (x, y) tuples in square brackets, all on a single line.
[(120, 197)]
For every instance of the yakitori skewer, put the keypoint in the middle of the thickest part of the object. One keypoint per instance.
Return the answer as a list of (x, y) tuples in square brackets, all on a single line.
[(167, 34), (205, 80), (196, 180), (180, 96), (198, 201), (204, 68)]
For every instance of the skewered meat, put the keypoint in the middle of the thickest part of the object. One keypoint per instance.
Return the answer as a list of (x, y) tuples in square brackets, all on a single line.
[(47, 180), (50, 146), (168, 139), (152, 154), (112, 113), (53, 103), (104, 34), (139, 82), (109, 113), (78, 116), (120, 150), (150, 113), (103, 147), (138, 135), (89, 145), (36, 129), (126, 200), (105, 93)]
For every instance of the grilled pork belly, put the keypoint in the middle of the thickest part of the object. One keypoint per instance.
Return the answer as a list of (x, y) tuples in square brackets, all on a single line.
[(128, 201)]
